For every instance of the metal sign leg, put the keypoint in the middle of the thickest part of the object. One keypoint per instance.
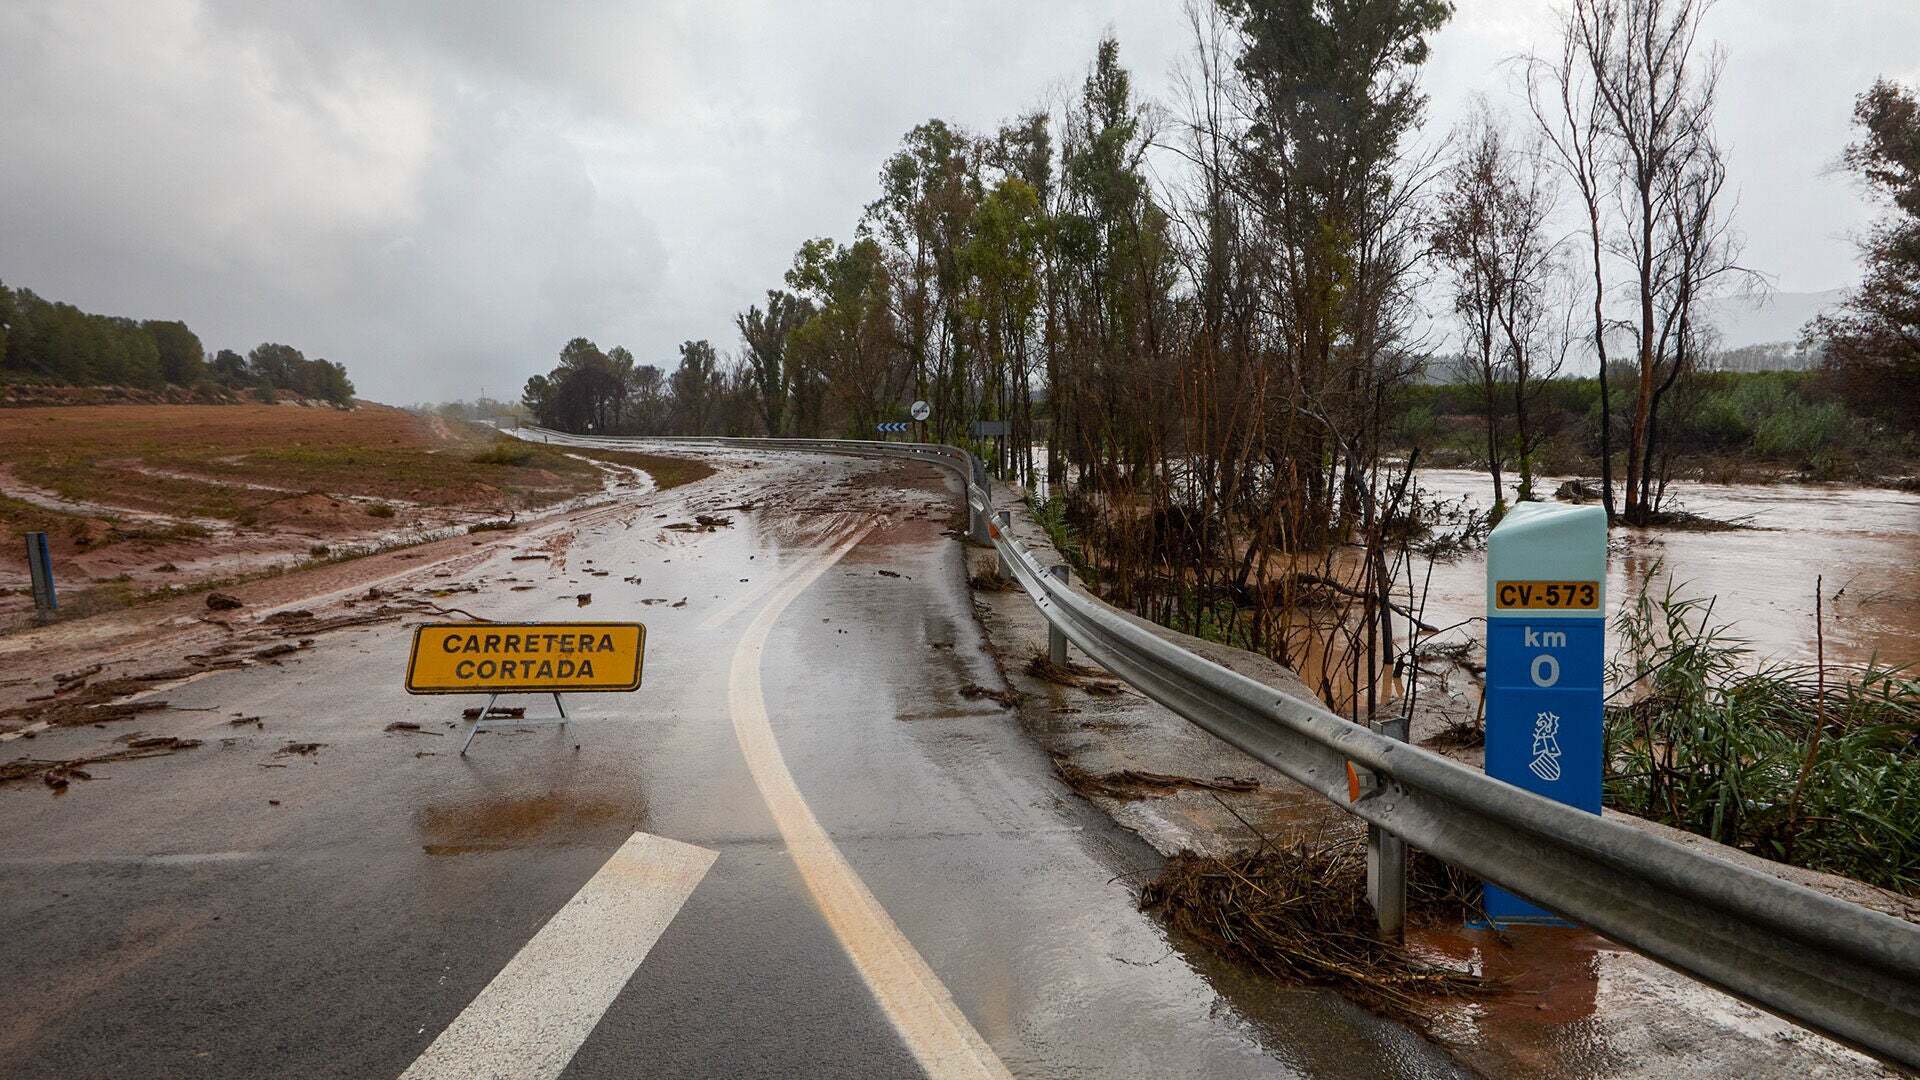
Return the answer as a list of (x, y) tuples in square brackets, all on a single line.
[(485, 711)]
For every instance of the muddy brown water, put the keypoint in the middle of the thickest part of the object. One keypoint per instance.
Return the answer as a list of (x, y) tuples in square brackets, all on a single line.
[(1861, 544)]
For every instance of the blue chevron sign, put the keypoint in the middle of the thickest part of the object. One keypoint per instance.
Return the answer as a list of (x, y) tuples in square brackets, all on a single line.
[(892, 426)]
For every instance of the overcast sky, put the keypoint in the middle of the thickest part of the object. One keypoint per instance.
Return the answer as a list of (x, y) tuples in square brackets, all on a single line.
[(440, 194)]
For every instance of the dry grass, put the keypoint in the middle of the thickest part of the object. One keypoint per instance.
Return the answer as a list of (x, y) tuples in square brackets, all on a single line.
[(1299, 914)]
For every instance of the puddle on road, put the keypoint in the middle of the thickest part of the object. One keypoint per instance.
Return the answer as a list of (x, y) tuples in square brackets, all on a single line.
[(487, 824)]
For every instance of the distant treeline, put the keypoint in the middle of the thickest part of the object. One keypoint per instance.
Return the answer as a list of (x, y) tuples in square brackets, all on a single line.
[(1799, 420), (609, 393), (51, 342)]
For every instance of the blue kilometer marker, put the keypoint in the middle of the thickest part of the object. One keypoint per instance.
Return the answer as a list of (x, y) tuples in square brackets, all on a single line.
[(1546, 645)]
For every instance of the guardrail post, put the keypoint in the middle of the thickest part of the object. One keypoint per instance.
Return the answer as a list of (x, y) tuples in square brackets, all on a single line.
[(977, 518), (1056, 637), (40, 570), (1387, 858), (1004, 519)]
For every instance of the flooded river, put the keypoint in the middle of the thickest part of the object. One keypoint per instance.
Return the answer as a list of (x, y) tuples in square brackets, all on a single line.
[(1864, 542)]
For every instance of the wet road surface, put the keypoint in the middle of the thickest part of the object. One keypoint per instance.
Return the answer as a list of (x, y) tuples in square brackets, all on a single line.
[(806, 847)]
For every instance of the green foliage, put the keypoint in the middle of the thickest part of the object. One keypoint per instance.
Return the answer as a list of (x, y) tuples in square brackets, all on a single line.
[(1821, 773), (60, 343), (182, 360), (1052, 515), (1787, 418), (286, 368), (1872, 344)]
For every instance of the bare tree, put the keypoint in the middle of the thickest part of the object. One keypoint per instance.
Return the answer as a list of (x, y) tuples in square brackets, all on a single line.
[(1492, 236), (1567, 108), (1653, 99)]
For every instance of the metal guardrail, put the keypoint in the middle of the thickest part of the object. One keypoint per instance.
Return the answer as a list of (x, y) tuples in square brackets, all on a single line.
[(1844, 970)]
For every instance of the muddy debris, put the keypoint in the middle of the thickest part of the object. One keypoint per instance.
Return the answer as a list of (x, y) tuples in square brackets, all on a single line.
[(1079, 676), (284, 618), (284, 648), (890, 573), (408, 727), (583, 599), (991, 581), (93, 703), (498, 712), (73, 680), (57, 774), (300, 749), (1129, 784), (976, 692), (702, 523), (243, 721), (682, 602), (1298, 914), (219, 601), (1466, 734)]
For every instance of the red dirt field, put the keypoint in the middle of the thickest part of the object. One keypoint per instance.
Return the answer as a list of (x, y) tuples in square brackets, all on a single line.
[(139, 500)]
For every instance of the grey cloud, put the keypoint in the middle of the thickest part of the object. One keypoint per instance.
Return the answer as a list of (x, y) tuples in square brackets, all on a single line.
[(440, 194)]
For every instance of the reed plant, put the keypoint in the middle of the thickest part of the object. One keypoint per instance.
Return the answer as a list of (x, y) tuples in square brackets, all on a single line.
[(1814, 765)]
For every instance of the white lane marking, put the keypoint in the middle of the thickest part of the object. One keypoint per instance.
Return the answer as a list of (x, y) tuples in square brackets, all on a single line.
[(531, 1019), (760, 592), (922, 1011)]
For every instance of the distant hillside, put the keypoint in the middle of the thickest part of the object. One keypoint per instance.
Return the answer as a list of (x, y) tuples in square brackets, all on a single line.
[(1775, 317), (49, 343), (1756, 334)]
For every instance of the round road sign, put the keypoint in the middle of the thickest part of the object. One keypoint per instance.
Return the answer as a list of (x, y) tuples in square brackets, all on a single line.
[(921, 410)]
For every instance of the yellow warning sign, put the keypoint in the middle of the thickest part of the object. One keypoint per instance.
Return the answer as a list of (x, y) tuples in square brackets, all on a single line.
[(503, 658)]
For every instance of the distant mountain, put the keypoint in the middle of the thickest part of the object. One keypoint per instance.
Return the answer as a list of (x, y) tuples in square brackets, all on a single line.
[(1756, 334), (1774, 317)]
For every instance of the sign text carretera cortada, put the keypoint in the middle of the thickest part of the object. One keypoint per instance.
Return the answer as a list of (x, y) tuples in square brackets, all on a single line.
[(1546, 640), (502, 658)]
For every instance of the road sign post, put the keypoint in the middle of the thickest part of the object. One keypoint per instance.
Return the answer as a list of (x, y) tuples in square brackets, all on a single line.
[(40, 570), (525, 658), (1546, 640)]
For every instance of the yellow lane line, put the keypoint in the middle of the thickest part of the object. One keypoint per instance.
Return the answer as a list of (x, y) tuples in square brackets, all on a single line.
[(933, 1028)]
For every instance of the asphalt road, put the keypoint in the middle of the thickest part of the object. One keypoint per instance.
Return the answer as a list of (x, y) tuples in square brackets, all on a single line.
[(801, 849)]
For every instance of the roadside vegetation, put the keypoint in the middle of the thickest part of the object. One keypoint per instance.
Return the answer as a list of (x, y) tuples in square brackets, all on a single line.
[(1723, 427), (1812, 765)]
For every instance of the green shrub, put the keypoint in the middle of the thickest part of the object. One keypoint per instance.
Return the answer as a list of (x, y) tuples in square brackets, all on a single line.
[(380, 510)]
